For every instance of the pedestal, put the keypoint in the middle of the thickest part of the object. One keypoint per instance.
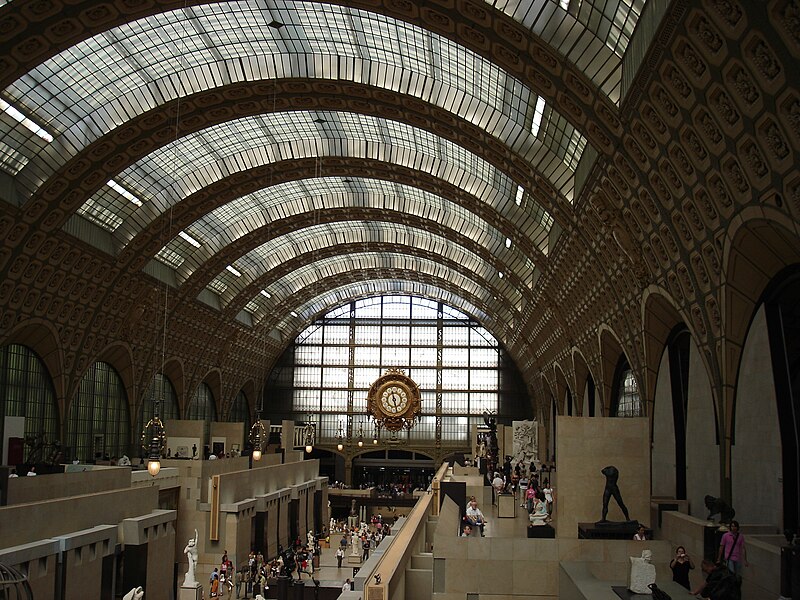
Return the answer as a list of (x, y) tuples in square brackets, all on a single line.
[(353, 560), (506, 506), (541, 531), (610, 530), (190, 593)]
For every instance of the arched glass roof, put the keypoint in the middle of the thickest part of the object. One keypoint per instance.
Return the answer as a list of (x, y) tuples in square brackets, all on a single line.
[(593, 34), (230, 222), (100, 83), (306, 311), (197, 160), (311, 240)]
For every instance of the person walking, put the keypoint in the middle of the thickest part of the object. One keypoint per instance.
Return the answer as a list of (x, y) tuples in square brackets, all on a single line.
[(732, 550), (339, 557)]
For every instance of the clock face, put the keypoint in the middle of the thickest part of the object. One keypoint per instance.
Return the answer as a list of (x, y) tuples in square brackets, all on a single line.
[(394, 400)]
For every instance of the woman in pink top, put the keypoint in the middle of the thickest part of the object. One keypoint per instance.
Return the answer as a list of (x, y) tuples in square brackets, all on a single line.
[(530, 497), (732, 550)]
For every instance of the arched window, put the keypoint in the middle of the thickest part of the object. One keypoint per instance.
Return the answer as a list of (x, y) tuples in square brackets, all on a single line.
[(26, 390), (98, 425), (202, 407), (240, 411), (625, 393), (169, 401)]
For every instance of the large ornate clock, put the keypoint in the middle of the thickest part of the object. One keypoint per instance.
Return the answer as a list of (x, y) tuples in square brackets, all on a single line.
[(394, 401)]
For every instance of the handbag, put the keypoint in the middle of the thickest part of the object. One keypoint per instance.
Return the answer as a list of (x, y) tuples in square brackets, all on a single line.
[(659, 594)]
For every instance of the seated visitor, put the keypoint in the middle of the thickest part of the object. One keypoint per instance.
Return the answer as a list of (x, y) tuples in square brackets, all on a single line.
[(640, 535), (474, 516), (539, 514), (467, 532)]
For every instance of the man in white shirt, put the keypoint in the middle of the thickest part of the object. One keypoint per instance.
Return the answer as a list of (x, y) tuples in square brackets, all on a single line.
[(474, 516), (13, 473), (32, 472), (498, 485), (346, 586)]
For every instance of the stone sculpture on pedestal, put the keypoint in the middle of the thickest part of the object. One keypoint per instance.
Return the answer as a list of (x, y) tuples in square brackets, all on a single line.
[(612, 475), (191, 553), (642, 573), (525, 447)]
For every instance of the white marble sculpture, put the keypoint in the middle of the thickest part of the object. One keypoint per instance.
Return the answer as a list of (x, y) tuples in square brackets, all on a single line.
[(354, 550), (311, 540), (539, 514), (526, 442), (191, 553), (642, 574), (332, 526), (136, 593)]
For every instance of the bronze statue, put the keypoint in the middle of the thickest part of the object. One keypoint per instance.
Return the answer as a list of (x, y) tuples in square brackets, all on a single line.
[(719, 506), (612, 475)]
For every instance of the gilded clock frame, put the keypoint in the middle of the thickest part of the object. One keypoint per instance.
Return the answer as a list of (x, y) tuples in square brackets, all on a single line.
[(403, 420)]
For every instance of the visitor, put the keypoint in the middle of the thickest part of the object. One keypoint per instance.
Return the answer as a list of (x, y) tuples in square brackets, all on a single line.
[(530, 498), (13, 473), (720, 584), (681, 565), (238, 582), (498, 485), (732, 550), (474, 516), (641, 534), (549, 496), (32, 472), (339, 557), (523, 488), (467, 532), (214, 583), (346, 586)]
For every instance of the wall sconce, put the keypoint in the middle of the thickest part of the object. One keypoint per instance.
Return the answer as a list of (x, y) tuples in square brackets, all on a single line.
[(258, 435), (340, 438)]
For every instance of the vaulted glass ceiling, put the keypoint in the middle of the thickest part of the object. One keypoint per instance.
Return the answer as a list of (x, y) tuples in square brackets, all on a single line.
[(259, 210), (71, 100), (100, 83), (197, 160), (592, 34), (358, 237), (304, 312)]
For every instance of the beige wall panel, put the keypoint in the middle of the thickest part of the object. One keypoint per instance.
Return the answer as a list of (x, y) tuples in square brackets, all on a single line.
[(84, 574), (587, 445), (702, 452), (757, 491), (159, 567), (663, 456), (59, 517)]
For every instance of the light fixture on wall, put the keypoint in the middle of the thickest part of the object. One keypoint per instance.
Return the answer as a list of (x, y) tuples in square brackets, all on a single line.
[(154, 437), (309, 435), (376, 434), (258, 435), (340, 438)]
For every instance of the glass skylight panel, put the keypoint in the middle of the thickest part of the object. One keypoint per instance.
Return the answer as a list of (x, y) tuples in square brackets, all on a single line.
[(197, 160), (11, 160), (170, 258), (189, 239), (537, 116), (294, 197), (92, 87), (26, 122), (583, 31), (273, 254)]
